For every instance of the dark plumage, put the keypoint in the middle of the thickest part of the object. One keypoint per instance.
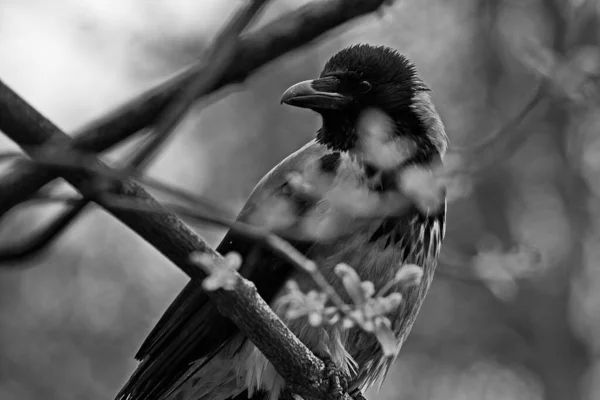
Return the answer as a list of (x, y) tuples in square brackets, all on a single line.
[(194, 352), (391, 81), (330, 162)]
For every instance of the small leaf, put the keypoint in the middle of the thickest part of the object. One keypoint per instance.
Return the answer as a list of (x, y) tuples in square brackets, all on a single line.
[(204, 260), (347, 323), (378, 143), (275, 213), (333, 319), (352, 283), (233, 260), (315, 318), (386, 337), (425, 187), (409, 274), (221, 273), (299, 184), (357, 316), (312, 305), (292, 286), (368, 325), (293, 311), (331, 311), (368, 288), (390, 302)]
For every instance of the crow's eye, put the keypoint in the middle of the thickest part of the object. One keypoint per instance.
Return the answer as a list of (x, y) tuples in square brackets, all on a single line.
[(364, 86)]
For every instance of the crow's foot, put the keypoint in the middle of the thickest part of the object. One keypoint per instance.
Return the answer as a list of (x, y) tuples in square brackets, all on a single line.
[(338, 383), (356, 394)]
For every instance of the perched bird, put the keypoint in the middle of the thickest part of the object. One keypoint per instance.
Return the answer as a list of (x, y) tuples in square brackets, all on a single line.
[(195, 353)]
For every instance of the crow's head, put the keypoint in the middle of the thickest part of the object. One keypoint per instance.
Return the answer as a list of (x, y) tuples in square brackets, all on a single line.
[(361, 77)]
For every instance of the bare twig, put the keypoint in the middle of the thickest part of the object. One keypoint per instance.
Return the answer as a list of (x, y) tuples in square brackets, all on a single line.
[(53, 157), (103, 176), (216, 61), (35, 244), (10, 155), (203, 77), (259, 235), (372, 205), (28, 127), (243, 305), (485, 153)]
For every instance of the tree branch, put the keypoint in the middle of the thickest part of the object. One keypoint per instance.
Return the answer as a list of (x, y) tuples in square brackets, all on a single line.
[(203, 77), (27, 127), (163, 229), (172, 237), (218, 57)]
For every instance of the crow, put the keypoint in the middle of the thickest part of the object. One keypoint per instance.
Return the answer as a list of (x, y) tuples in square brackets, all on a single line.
[(194, 352)]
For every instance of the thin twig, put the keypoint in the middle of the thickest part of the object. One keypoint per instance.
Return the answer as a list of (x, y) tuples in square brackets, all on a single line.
[(382, 205), (202, 211), (73, 160), (26, 126), (10, 155), (259, 235), (484, 154), (33, 246), (165, 231), (204, 76), (216, 61)]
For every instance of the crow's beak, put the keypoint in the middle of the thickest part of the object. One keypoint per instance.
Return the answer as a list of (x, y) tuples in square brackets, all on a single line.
[(317, 94)]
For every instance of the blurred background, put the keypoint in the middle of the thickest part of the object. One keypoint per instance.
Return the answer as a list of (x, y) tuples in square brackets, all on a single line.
[(514, 311)]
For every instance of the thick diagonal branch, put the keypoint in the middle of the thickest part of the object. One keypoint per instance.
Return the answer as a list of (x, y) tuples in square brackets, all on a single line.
[(172, 237)]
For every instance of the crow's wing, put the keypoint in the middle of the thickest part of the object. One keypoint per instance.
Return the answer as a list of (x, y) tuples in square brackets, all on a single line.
[(192, 328)]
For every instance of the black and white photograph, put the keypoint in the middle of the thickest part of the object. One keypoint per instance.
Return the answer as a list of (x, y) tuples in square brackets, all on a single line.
[(300, 200)]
